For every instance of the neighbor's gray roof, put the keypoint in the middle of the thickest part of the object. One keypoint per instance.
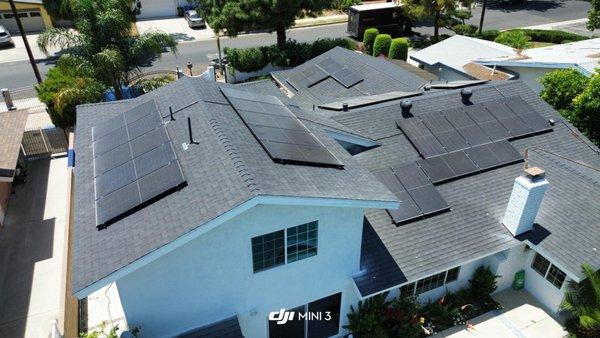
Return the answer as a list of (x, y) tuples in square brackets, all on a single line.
[(227, 168), (227, 328), (12, 124), (393, 254), (380, 76)]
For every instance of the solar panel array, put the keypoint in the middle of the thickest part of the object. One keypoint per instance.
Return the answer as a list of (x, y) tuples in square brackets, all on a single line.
[(418, 196), (461, 128), (361, 101), (134, 162), (321, 71), (277, 129)]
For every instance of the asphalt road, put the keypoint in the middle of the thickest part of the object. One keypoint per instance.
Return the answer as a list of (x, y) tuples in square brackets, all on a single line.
[(534, 12)]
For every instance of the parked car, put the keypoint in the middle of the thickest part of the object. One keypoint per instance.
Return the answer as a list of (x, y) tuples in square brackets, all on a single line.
[(194, 20), (5, 39)]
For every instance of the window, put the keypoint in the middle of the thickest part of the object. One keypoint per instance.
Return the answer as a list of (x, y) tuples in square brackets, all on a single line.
[(8, 16), (302, 241), (268, 251), (23, 15), (540, 264), (35, 14), (549, 271), (430, 283)]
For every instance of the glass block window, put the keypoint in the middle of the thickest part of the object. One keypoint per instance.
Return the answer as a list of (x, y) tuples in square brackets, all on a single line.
[(268, 250), (540, 264), (452, 275), (407, 290), (430, 283), (302, 241), (556, 276)]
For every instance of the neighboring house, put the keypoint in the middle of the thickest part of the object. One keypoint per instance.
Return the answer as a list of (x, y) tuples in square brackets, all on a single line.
[(241, 203), (455, 58), (13, 125), (583, 56), (159, 8), (34, 16)]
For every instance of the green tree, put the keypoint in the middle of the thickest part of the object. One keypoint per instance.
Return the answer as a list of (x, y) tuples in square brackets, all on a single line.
[(59, 9), (561, 86), (586, 115), (594, 15), (582, 303), (369, 39), (444, 13), (236, 16), (102, 44), (382, 44), (399, 49), (516, 39)]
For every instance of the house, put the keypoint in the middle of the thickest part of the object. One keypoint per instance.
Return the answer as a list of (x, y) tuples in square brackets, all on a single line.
[(455, 58), (584, 56), (215, 207), (473, 58), (13, 125), (34, 16), (150, 9)]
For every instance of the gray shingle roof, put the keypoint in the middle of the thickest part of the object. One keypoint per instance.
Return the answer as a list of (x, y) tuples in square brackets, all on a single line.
[(380, 76), (12, 124), (472, 229), (227, 168), (227, 328)]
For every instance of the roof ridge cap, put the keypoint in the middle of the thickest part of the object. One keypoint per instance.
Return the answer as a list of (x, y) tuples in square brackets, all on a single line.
[(233, 154)]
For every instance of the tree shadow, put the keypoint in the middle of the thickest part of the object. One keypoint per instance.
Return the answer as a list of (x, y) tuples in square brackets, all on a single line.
[(531, 5), (182, 37)]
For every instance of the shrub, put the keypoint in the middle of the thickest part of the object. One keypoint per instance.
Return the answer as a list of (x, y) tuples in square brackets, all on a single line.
[(382, 44), (291, 54), (586, 115), (516, 39), (369, 39), (368, 318), (399, 49), (552, 36), (466, 30), (482, 283), (343, 5), (561, 86), (155, 82), (323, 45), (489, 34), (247, 59)]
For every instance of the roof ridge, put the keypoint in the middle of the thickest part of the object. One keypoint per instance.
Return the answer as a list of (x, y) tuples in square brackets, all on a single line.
[(233, 154)]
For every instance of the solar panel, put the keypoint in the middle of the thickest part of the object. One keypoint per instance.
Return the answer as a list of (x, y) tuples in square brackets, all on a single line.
[(134, 163), (315, 75), (460, 163), (505, 152), (519, 106), (499, 110), (536, 122), (282, 135), (494, 130), (428, 146), (458, 118), (483, 157), (516, 126), (390, 180), (437, 169), (408, 209), (346, 77), (451, 140), (411, 176), (478, 113), (330, 66), (473, 135), (428, 199), (413, 127), (436, 122)]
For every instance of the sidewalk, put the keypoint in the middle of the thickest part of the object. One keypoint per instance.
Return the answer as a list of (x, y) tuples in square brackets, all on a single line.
[(19, 53), (577, 26)]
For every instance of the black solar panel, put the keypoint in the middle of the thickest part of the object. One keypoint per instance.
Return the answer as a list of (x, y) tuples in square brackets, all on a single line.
[(413, 127), (536, 122), (315, 75), (474, 135), (436, 122), (516, 126), (499, 109), (390, 180), (134, 163), (505, 152), (478, 113), (458, 118), (411, 176), (408, 209), (519, 106), (494, 130), (483, 157), (282, 135), (346, 77), (451, 140), (428, 146), (428, 199), (330, 66), (437, 169), (460, 163)]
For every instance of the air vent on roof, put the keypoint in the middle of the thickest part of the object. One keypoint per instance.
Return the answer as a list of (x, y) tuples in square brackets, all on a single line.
[(134, 162), (277, 129), (460, 128), (363, 101)]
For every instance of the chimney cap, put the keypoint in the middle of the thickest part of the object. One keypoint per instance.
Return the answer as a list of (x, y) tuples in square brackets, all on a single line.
[(535, 172)]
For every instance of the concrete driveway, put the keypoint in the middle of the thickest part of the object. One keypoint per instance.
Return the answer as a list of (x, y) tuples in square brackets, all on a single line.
[(522, 316), (32, 252), (176, 27)]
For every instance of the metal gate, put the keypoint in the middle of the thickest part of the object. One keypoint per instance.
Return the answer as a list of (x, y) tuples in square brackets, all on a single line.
[(45, 142)]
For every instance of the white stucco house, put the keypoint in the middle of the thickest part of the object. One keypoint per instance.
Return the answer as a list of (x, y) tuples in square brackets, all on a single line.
[(212, 207), (466, 58), (152, 9)]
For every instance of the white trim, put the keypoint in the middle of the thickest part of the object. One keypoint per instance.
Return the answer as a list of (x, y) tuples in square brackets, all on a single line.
[(351, 138), (204, 228)]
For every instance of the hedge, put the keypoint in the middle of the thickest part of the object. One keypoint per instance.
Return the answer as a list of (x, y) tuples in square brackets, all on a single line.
[(399, 49), (466, 30), (489, 34), (552, 36), (369, 38), (382, 44), (291, 54)]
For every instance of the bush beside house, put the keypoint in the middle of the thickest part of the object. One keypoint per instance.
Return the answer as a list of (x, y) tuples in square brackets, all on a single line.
[(369, 39), (399, 49), (382, 44)]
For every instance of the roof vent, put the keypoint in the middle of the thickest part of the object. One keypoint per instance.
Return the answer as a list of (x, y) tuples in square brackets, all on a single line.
[(344, 106), (427, 87), (406, 105), (466, 94), (525, 200)]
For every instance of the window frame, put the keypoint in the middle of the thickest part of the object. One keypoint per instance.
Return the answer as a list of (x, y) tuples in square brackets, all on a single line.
[(415, 285), (549, 275), (311, 227), (262, 252)]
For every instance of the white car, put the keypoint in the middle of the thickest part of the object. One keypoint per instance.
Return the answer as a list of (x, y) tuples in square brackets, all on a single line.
[(194, 20), (5, 39)]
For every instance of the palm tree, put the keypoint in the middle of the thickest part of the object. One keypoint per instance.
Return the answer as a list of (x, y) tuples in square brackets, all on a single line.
[(582, 302), (102, 45)]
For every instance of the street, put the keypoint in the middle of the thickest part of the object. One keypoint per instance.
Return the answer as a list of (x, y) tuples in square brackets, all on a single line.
[(534, 12)]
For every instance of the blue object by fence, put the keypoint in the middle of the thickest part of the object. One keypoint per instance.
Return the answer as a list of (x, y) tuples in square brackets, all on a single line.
[(128, 93), (71, 158)]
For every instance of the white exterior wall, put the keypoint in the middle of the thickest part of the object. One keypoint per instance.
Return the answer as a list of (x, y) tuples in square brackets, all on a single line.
[(211, 278), (540, 288), (530, 76), (447, 74), (514, 261)]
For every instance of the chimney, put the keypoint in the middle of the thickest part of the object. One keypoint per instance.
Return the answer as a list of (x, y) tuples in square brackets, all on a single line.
[(525, 200)]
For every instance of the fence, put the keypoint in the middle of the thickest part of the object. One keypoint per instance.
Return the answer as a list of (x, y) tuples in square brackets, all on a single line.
[(44, 142)]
